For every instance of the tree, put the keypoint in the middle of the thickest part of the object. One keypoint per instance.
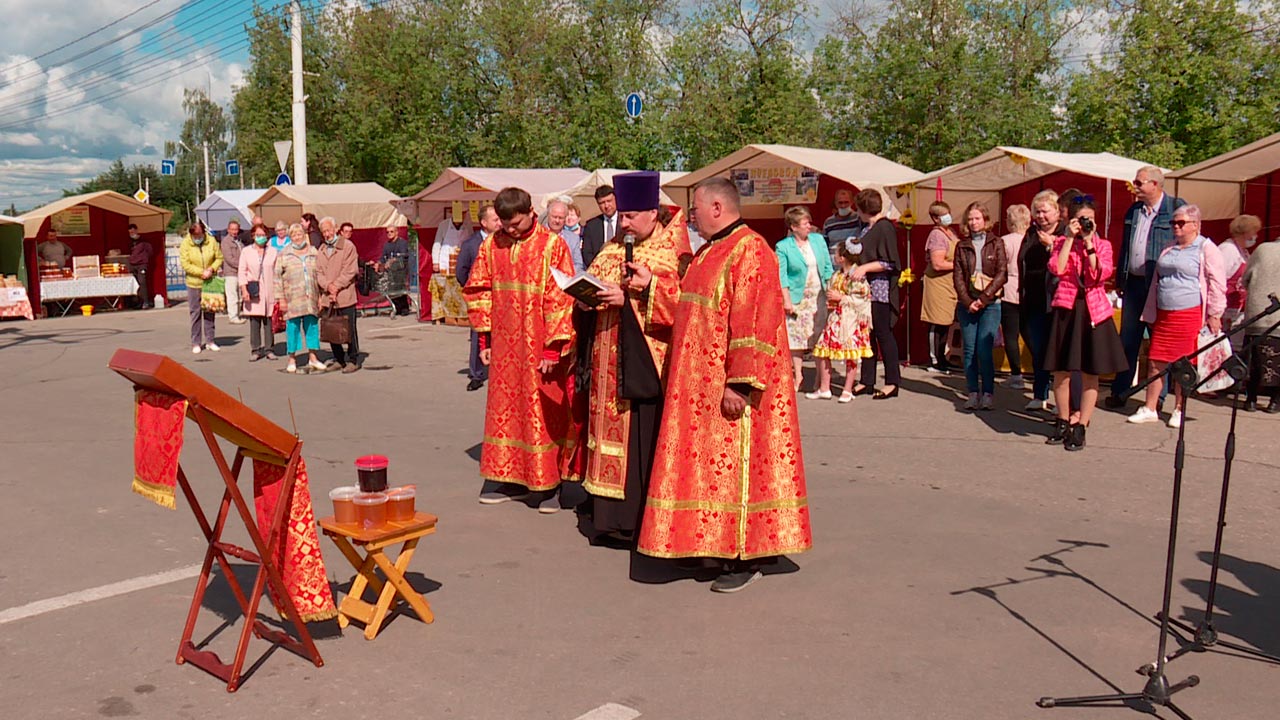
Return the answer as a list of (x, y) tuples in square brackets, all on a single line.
[(206, 124), (171, 193), (1173, 97), (941, 81)]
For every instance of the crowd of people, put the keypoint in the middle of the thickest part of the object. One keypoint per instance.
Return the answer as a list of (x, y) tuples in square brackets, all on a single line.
[(301, 279), (1046, 282)]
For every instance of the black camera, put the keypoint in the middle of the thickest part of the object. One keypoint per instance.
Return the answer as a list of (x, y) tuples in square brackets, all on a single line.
[(1086, 225)]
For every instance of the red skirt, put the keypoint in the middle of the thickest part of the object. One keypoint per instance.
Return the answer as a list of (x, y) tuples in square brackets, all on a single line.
[(1175, 333)]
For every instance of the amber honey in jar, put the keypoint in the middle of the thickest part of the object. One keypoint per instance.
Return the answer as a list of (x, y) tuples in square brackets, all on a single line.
[(344, 510), (371, 509), (400, 502)]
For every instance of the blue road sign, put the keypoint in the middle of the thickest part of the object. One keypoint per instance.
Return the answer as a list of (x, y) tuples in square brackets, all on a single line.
[(168, 167), (635, 105), (283, 179), (233, 167)]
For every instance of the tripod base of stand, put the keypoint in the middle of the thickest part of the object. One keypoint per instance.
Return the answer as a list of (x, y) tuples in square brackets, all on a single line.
[(1203, 638), (1157, 693)]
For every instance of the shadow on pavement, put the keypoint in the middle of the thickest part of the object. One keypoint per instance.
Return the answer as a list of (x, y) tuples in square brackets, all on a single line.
[(1245, 615)]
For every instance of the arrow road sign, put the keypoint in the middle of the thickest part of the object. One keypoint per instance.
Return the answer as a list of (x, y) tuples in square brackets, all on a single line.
[(635, 105), (168, 167), (233, 167)]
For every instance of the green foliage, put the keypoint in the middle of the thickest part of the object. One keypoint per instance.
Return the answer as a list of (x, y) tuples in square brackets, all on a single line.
[(1184, 80)]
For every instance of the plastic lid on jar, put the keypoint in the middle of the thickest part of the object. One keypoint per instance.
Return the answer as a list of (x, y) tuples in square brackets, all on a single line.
[(374, 498), (347, 492), (372, 462), (402, 493)]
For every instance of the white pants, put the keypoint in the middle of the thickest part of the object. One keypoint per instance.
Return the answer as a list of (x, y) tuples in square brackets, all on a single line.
[(233, 298)]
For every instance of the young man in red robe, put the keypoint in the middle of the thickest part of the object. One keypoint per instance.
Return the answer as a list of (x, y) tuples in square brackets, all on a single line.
[(526, 335), (728, 476)]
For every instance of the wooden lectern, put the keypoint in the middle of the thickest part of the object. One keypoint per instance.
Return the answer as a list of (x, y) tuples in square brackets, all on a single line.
[(220, 416)]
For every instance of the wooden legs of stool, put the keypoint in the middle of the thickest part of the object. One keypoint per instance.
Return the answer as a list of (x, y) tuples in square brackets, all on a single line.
[(354, 607)]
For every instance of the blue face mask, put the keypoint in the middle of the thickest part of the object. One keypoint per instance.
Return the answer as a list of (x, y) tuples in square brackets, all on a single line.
[(197, 239)]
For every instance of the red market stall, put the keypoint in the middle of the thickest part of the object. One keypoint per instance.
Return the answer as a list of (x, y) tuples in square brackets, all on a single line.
[(1007, 176), (95, 226), (459, 193), (1241, 181)]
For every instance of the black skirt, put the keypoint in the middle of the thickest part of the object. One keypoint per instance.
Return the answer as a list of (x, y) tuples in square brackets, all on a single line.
[(1075, 345)]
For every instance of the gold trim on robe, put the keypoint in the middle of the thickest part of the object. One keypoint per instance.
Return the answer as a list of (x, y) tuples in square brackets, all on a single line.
[(609, 421), (512, 296), (728, 488)]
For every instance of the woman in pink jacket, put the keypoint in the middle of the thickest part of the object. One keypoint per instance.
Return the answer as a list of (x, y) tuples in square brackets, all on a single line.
[(1190, 292), (1083, 337), (257, 274)]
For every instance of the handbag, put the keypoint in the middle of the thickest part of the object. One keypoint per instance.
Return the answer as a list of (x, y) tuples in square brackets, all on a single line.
[(1209, 365), (277, 319), (335, 328), (213, 295)]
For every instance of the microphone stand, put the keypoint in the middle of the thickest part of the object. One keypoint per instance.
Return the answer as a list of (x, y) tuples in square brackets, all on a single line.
[(1158, 691), (1204, 635)]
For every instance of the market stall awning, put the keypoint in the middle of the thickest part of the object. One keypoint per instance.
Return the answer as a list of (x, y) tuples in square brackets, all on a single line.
[(982, 178), (223, 206), (1217, 185), (148, 218), (365, 205), (467, 184), (860, 169), (583, 193)]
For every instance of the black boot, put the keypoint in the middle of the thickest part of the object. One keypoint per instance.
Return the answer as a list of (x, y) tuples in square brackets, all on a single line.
[(1058, 434), (1075, 438)]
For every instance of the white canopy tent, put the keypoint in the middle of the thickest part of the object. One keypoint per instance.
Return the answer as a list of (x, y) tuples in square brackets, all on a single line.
[(365, 205), (481, 184), (985, 178), (583, 193), (860, 169), (223, 206), (148, 218), (1218, 184)]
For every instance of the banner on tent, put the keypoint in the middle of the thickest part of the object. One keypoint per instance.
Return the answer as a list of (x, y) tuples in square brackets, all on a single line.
[(468, 186), (776, 185), (72, 221)]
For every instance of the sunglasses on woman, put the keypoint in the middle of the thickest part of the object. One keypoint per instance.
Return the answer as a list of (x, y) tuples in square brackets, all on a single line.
[(1183, 223)]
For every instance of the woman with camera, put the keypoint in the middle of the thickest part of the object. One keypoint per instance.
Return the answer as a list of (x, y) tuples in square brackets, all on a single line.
[(981, 269), (1190, 292), (1083, 335)]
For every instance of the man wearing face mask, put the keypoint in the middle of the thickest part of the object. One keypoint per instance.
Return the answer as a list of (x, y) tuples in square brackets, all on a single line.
[(526, 338), (844, 223), (139, 264)]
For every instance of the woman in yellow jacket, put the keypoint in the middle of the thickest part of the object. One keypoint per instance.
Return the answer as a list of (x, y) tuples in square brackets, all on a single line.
[(200, 258)]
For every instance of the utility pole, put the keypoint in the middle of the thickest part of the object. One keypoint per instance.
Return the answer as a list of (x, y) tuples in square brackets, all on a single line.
[(208, 187), (299, 100)]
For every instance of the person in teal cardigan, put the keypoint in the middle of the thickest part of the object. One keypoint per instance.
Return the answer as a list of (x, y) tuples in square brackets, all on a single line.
[(804, 269)]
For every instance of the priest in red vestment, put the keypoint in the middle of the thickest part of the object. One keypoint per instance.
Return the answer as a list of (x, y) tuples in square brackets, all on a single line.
[(526, 336), (728, 479), (628, 353)]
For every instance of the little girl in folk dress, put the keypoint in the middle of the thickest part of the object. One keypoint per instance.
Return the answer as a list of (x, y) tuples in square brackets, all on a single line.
[(848, 333)]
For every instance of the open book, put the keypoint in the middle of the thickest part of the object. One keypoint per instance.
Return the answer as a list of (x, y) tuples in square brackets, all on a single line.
[(582, 286)]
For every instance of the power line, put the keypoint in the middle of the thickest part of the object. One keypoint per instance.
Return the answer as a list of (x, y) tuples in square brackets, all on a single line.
[(87, 35)]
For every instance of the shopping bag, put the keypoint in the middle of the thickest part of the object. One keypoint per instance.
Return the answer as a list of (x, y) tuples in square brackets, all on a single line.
[(1210, 362), (335, 328), (213, 295), (277, 319)]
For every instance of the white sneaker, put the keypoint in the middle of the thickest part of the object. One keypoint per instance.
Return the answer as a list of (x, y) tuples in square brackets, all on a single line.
[(317, 366), (1175, 420), (195, 349), (1015, 382), (845, 397), (212, 347), (1145, 415), (824, 395), (972, 402), (988, 401), (1035, 404), (293, 366), (933, 370)]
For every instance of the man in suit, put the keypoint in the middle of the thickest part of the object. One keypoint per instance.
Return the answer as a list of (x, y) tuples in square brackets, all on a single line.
[(601, 228), (1148, 230), (477, 372)]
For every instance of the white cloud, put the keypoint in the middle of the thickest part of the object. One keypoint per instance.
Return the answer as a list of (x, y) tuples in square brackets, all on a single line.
[(62, 123)]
